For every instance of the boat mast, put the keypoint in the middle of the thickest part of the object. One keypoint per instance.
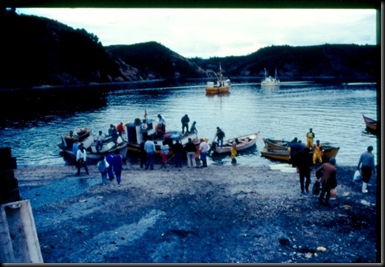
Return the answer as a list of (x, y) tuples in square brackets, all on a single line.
[(220, 74)]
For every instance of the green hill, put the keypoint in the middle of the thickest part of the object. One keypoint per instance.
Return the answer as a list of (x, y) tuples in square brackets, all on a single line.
[(38, 51)]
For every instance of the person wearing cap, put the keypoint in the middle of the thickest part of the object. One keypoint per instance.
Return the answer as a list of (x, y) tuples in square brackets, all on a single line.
[(328, 179), (366, 163), (309, 138)]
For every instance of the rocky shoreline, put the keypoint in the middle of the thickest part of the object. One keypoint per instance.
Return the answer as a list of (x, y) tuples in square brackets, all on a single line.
[(219, 214)]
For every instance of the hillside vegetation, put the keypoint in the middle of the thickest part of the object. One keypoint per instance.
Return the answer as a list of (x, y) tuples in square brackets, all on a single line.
[(38, 51)]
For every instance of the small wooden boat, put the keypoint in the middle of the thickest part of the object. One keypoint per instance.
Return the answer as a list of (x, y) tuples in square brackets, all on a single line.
[(278, 150), (222, 87), (371, 125), (83, 135), (242, 142), (278, 155), (108, 147), (88, 141)]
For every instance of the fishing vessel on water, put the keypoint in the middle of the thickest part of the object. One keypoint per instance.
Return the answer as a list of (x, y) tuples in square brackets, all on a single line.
[(221, 87), (269, 81)]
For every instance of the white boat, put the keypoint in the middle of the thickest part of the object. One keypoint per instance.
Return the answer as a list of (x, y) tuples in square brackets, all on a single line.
[(221, 87), (270, 81)]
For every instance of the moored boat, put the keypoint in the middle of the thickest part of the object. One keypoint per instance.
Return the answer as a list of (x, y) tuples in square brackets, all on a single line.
[(89, 143), (269, 81), (371, 124), (278, 150), (221, 87), (242, 142)]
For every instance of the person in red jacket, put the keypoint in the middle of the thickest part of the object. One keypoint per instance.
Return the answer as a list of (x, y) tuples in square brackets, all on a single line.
[(120, 128)]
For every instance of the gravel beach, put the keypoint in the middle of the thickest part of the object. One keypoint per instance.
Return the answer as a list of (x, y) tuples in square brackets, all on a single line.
[(218, 214)]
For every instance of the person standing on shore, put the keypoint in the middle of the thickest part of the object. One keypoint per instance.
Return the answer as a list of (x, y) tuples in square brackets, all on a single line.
[(203, 147), (304, 168), (75, 147), (81, 159), (149, 147), (233, 151), (328, 179), (117, 165), (178, 151), (164, 150), (142, 155), (294, 151), (366, 162), (110, 171), (103, 169), (190, 153)]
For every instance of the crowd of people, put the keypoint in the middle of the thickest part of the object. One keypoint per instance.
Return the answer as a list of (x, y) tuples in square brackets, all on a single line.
[(309, 156), (304, 157)]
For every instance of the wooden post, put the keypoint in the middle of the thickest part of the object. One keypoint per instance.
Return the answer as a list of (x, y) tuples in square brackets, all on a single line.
[(18, 238)]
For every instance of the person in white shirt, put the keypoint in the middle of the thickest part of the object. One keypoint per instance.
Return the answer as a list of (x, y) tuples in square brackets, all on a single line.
[(99, 141), (203, 147), (81, 159), (149, 147)]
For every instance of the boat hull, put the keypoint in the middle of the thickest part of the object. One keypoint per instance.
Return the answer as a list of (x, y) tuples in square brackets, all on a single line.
[(218, 90), (284, 156), (371, 125), (245, 142)]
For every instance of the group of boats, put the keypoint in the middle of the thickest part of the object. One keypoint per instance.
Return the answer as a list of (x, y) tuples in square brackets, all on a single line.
[(139, 131), (223, 85)]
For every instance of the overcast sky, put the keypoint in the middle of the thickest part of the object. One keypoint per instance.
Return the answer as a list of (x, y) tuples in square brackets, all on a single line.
[(219, 32)]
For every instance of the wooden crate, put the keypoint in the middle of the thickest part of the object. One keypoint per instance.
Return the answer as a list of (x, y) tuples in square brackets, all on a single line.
[(18, 237)]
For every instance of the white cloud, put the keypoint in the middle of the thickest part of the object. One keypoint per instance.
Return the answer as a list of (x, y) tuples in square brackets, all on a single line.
[(219, 32)]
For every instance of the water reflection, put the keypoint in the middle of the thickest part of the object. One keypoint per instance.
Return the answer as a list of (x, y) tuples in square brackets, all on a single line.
[(26, 108)]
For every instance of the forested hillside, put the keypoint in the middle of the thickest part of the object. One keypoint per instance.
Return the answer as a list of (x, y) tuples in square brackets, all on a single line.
[(38, 51)]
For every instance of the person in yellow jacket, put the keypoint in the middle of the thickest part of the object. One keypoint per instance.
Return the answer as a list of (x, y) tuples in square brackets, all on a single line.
[(309, 138), (233, 152), (317, 154)]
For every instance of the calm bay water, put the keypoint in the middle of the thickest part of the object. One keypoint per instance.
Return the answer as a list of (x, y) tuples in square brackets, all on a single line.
[(333, 111)]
